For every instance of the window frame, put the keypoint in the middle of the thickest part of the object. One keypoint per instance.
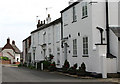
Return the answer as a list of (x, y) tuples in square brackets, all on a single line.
[(85, 46), (75, 48), (84, 10)]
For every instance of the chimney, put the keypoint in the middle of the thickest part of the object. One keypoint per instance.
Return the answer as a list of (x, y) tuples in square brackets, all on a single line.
[(71, 2), (38, 25), (41, 22), (13, 42), (48, 19), (44, 21), (8, 41)]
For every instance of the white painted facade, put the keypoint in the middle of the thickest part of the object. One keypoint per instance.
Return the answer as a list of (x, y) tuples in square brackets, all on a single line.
[(47, 41), (11, 55), (86, 27)]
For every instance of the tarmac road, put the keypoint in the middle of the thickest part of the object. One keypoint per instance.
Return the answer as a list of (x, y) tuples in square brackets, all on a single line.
[(10, 75)]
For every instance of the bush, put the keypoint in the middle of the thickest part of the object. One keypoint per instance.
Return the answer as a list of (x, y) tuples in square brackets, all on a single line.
[(46, 64), (25, 64), (72, 70), (52, 67), (4, 58), (82, 70), (50, 57), (65, 66), (83, 67), (20, 65)]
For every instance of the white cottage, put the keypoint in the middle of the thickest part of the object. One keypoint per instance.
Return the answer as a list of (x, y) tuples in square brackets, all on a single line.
[(89, 35), (11, 51), (46, 40)]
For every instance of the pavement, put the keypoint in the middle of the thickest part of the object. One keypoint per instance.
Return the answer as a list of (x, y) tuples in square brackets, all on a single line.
[(12, 73)]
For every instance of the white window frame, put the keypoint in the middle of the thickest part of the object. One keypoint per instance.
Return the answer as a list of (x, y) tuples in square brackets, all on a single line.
[(84, 10), (74, 14), (85, 46), (74, 47)]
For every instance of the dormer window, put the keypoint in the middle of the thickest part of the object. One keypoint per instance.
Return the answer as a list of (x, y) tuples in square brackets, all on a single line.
[(84, 10)]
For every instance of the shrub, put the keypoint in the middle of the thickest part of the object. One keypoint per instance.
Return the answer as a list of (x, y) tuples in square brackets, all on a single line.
[(4, 58), (65, 66), (52, 67), (82, 70), (25, 64), (83, 67), (51, 57), (46, 64), (20, 65), (72, 70)]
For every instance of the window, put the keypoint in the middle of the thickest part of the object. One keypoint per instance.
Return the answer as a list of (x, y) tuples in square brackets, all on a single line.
[(57, 33), (84, 10), (50, 50), (74, 47), (74, 15), (85, 46)]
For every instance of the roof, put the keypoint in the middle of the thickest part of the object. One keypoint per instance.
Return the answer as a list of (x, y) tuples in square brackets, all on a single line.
[(8, 46), (47, 25), (69, 7), (116, 31), (16, 49), (0, 49), (26, 38)]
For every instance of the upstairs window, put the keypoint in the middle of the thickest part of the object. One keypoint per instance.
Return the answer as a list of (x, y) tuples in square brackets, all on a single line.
[(84, 10), (74, 15)]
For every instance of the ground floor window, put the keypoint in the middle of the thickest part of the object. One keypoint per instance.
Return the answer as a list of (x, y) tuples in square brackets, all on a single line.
[(85, 46), (75, 47)]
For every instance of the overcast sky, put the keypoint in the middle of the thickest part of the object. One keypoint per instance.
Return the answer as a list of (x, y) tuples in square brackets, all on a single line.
[(18, 17)]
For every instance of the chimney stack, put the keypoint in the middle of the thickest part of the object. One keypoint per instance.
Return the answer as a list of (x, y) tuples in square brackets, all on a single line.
[(8, 41), (48, 19), (38, 25), (13, 42), (44, 21), (71, 2)]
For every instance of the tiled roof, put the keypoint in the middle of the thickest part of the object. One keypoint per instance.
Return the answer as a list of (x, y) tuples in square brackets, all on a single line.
[(0, 49), (69, 6), (16, 49), (47, 25)]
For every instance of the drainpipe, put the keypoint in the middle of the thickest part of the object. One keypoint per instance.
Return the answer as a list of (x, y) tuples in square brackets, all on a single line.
[(107, 28), (61, 31), (101, 33)]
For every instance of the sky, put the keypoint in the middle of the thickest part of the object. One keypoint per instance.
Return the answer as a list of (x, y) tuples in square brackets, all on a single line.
[(18, 17)]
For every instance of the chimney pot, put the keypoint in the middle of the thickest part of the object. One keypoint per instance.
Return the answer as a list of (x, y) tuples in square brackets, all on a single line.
[(44, 21), (13, 42), (38, 21), (8, 40)]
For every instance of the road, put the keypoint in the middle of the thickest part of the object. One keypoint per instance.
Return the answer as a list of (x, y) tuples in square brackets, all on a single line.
[(21, 74)]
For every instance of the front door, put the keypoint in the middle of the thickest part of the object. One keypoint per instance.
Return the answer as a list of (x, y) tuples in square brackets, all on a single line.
[(65, 51)]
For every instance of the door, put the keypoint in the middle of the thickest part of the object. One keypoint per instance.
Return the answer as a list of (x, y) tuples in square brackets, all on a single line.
[(65, 51)]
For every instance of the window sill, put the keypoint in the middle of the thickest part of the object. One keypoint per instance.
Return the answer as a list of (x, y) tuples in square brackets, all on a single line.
[(57, 41), (84, 17), (74, 56), (65, 24), (49, 43), (74, 21), (85, 56)]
